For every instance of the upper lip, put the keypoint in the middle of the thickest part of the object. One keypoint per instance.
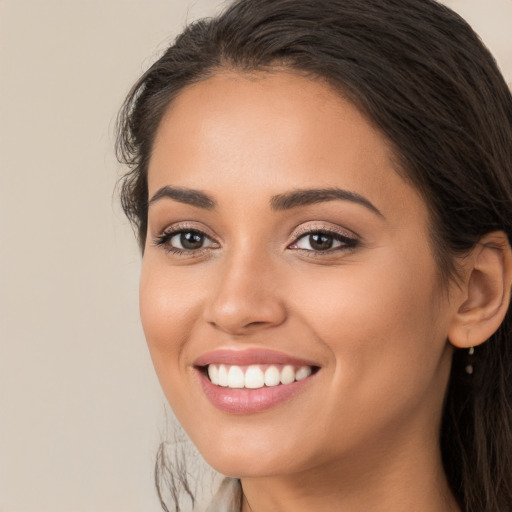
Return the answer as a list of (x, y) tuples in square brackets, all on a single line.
[(246, 357)]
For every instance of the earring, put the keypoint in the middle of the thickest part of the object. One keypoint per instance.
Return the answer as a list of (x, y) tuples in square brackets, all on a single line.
[(469, 368)]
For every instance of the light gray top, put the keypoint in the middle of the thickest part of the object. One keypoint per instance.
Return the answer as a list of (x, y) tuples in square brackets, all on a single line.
[(228, 498)]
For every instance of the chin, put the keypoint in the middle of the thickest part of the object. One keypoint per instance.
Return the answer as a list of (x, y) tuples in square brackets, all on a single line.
[(246, 452), (243, 466)]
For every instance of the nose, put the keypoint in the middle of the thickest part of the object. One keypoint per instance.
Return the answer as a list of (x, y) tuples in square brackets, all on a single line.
[(245, 297)]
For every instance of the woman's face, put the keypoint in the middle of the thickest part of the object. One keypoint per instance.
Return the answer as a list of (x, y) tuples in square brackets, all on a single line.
[(283, 246)]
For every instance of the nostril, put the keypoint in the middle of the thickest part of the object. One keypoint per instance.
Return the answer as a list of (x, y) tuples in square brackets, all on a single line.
[(257, 324)]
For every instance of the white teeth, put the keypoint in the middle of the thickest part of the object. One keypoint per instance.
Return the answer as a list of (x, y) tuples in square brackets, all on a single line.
[(272, 377), (236, 377), (213, 373), (303, 372), (254, 377), (223, 376), (287, 375), (233, 376)]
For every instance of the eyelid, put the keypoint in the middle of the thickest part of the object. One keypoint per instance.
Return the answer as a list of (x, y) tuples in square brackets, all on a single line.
[(186, 226), (350, 238), (314, 227), (165, 235)]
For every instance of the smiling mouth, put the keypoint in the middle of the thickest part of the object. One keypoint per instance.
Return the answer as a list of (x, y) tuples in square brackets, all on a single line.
[(256, 376)]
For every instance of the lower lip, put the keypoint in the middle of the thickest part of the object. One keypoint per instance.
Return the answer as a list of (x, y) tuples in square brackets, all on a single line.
[(248, 401)]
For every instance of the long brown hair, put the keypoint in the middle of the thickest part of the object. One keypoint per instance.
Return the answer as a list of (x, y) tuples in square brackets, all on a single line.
[(422, 75)]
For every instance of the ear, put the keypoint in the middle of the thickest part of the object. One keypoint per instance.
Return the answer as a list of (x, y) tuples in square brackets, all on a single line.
[(485, 293)]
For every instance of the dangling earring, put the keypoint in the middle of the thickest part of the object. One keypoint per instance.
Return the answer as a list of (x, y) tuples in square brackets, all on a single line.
[(469, 368)]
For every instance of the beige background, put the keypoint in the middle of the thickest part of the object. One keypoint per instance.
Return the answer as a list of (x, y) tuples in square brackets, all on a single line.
[(81, 413)]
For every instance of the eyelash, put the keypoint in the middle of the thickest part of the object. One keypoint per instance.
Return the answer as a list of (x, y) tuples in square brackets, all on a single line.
[(163, 240), (348, 242)]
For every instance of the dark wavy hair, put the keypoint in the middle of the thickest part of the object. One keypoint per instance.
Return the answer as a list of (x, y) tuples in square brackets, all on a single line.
[(421, 74)]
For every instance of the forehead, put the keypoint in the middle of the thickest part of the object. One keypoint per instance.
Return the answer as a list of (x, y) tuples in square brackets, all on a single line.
[(271, 131)]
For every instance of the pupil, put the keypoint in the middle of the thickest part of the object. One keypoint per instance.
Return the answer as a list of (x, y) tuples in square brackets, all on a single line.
[(191, 240), (320, 242)]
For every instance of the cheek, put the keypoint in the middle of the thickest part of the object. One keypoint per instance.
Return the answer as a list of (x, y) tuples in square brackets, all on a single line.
[(384, 327), (168, 310)]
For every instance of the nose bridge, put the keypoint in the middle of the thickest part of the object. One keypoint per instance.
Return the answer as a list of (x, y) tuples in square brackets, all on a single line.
[(246, 298)]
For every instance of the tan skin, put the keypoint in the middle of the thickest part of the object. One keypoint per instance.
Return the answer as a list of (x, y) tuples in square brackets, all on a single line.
[(370, 311)]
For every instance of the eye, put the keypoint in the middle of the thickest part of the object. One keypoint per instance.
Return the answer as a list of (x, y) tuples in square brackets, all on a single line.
[(323, 241), (185, 240), (189, 240)]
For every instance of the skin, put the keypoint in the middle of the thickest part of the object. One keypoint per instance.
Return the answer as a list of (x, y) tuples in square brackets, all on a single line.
[(363, 434)]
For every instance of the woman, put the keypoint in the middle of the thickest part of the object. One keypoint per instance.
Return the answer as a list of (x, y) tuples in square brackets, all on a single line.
[(322, 194)]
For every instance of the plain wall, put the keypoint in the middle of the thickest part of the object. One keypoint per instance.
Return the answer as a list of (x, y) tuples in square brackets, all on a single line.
[(81, 412)]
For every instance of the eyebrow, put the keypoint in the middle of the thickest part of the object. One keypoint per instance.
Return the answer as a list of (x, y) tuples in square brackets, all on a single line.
[(313, 196), (184, 195), (280, 202)]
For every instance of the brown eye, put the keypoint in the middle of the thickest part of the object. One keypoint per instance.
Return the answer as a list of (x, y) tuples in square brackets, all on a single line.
[(320, 241), (186, 240), (189, 240), (323, 241)]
